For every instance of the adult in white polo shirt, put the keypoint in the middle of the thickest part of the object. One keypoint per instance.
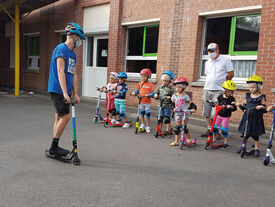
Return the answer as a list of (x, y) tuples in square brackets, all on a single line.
[(217, 69)]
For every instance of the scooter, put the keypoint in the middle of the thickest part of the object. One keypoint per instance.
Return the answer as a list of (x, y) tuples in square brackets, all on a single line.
[(243, 146), (97, 113), (209, 141), (73, 155), (158, 129), (269, 156), (138, 129), (183, 141), (107, 119)]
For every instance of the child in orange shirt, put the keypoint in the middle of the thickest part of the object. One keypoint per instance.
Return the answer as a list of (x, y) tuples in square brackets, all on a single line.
[(145, 89)]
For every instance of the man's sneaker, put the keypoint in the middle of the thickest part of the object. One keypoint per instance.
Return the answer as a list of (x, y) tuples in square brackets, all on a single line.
[(126, 125), (60, 152), (206, 134), (148, 129), (256, 153), (225, 146), (113, 121), (142, 126)]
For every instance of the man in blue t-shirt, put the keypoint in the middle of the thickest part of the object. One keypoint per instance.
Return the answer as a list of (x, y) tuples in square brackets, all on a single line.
[(63, 82)]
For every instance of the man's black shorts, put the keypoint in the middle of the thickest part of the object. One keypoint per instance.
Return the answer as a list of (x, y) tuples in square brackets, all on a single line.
[(61, 107)]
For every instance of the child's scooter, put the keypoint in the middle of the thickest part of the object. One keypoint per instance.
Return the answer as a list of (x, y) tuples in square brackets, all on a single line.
[(209, 142), (107, 120), (243, 146), (183, 141), (138, 129), (158, 130), (97, 113), (269, 156), (73, 154)]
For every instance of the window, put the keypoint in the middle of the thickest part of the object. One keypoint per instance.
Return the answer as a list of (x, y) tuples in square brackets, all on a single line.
[(142, 48), (33, 52), (237, 37), (90, 55), (102, 53)]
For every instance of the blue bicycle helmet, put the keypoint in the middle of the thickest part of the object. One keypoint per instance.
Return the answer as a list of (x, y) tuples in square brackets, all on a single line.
[(74, 28), (168, 72), (122, 75)]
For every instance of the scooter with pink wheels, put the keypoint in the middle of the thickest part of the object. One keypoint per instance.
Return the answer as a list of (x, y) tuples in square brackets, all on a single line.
[(184, 130)]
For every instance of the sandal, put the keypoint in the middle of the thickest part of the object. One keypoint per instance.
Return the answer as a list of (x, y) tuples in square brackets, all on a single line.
[(174, 144)]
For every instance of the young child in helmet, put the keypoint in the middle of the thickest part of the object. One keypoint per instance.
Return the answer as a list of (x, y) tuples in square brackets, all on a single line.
[(254, 99), (111, 102), (181, 100), (223, 118), (145, 88), (164, 94), (121, 90)]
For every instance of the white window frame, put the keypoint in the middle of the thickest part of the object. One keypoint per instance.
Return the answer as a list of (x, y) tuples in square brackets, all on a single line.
[(205, 57), (136, 76)]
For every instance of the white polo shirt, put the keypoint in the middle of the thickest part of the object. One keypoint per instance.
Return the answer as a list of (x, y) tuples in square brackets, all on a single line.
[(216, 72)]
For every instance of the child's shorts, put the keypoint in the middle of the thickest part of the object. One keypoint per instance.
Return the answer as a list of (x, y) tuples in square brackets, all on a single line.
[(144, 110), (224, 121), (120, 106), (164, 112), (179, 116)]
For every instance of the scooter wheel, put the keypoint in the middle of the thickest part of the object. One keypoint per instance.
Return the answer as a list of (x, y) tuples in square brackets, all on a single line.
[(206, 146), (106, 125), (156, 135), (76, 161), (266, 161), (95, 120), (242, 153)]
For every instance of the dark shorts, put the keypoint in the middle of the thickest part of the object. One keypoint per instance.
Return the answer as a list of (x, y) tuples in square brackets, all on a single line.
[(61, 107)]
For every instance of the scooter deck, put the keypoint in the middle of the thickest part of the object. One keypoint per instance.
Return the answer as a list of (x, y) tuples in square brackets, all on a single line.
[(67, 158)]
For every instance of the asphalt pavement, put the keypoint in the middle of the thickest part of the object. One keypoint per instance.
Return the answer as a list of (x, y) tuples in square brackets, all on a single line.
[(119, 168)]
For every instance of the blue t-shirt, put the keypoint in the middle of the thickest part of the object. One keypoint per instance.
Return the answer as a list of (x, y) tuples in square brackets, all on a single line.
[(121, 89), (63, 51)]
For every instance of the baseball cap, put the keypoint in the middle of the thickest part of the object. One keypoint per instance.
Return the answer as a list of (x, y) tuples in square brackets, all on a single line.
[(212, 46)]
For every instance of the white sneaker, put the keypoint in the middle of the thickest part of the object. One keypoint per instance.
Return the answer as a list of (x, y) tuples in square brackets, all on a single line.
[(117, 122), (126, 125), (142, 126), (148, 129), (113, 121)]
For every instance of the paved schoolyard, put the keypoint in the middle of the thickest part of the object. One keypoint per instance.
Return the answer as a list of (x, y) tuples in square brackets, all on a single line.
[(119, 168)]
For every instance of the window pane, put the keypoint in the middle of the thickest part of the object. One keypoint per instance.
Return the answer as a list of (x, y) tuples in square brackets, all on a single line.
[(34, 46), (218, 31), (151, 41), (135, 41), (244, 68), (135, 66), (102, 52), (90, 52), (247, 33)]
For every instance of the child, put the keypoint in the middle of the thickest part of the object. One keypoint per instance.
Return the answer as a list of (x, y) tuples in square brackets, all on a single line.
[(121, 90), (164, 93), (256, 100), (224, 115), (111, 103), (181, 100), (146, 89)]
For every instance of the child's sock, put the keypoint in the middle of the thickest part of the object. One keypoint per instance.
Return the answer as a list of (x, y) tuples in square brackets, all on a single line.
[(54, 143)]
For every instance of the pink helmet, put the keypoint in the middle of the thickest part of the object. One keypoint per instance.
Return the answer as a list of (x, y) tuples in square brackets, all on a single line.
[(181, 80), (146, 71), (113, 75)]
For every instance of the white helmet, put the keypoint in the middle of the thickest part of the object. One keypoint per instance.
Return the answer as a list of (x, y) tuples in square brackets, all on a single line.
[(113, 75), (165, 77)]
